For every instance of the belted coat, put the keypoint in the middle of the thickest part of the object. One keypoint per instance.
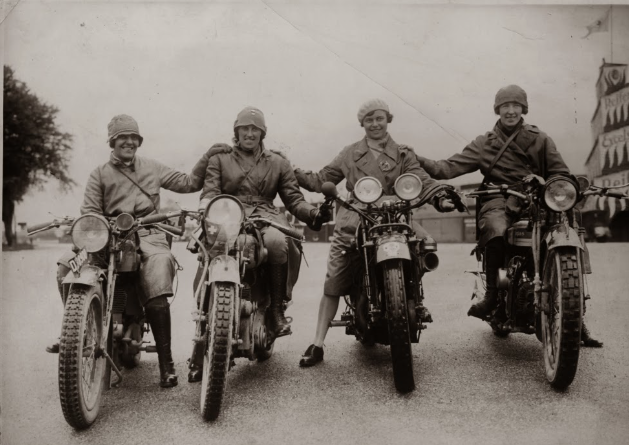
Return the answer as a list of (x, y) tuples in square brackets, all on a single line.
[(256, 187), (532, 151), (109, 192), (353, 163)]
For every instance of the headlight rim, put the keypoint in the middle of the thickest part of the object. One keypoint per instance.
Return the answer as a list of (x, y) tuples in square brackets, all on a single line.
[(219, 197), (405, 175), (363, 180), (547, 190), (102, 219)]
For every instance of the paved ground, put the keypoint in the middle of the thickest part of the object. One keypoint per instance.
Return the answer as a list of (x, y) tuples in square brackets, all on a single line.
[(471, 386)]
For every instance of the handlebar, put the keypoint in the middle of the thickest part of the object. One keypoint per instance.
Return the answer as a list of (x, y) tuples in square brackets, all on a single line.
[(174, 230), (503, 190), (285, 230), (38, 227), (32, 230)]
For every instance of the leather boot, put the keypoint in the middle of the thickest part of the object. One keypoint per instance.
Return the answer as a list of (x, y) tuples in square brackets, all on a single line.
[(587, 340), (494, 258), (279, 276), (196, 364), (311, 357), (159, 320)]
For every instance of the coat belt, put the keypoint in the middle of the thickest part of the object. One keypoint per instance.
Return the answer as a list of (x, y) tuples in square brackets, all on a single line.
[(250, 199)]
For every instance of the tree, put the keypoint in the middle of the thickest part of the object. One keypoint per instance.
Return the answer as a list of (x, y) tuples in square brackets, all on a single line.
[(34, 148)]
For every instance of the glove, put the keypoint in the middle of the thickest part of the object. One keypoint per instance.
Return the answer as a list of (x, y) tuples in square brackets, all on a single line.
[(218, 149), (319, 216), (534, 178), (444, 204)]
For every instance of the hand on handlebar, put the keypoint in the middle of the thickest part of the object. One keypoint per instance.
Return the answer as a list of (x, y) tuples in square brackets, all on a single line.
[(444, 204), (534, 178)]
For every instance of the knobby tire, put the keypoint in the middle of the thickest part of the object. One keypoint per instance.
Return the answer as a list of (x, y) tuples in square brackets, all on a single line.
[(399, 332), (220, 327), (81, 374), (561, 328)]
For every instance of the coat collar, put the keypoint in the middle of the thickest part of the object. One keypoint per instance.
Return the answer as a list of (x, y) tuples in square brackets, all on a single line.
[(118, 163), (523, 140), (376, 168)]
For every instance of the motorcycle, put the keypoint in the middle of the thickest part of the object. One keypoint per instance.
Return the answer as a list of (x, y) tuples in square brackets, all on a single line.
[(233, 294), (541, 284), (103, 322), (385, 304)]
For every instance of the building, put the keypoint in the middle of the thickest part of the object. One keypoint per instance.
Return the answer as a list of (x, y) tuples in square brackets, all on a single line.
[(608, 163)]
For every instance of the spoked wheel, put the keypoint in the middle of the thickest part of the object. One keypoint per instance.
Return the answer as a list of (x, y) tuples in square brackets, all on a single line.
[(216, 359), (561, 326), (81, 372), (399, 333)]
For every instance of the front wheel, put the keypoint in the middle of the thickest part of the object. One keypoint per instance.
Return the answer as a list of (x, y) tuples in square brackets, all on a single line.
[(561, 326), (217, 356), (82, 368), (399, 332)]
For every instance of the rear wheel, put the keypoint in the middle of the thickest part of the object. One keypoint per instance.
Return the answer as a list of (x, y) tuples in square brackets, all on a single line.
[(82, 369), (399, 333), (216, 360), (561, 326)]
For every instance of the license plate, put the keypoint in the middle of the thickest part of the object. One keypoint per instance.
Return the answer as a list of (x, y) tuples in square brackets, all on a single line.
[(78, 260)]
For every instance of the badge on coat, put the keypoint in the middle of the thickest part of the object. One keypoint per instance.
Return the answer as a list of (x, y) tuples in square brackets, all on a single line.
[(385, 166)]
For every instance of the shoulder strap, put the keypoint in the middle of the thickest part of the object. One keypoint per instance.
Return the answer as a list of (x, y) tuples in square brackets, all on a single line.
[(136, 184), (502, 150)]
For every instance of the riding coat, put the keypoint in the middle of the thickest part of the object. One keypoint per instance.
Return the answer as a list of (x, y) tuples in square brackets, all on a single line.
[(111, 191), (256, 179), (353, 163), (532, 151)]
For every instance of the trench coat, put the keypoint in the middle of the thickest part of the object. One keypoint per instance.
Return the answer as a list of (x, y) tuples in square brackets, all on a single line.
[(110, 193), (353, 163), (256, 188), (532, 151)]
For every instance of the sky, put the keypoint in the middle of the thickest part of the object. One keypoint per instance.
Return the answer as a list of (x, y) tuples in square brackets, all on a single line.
[(185, 69)]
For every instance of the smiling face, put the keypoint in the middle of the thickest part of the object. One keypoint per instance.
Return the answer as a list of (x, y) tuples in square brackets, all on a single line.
[(125, 146), (249, 136), (375, 124), (510, 114)]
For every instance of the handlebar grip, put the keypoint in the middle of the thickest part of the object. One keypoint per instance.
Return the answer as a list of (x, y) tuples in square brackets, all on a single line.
[(36, 227), (289, 232), (152, 219), (618, 195), (172, 229)]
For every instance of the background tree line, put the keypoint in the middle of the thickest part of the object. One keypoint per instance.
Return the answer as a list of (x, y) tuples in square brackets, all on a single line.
[(34, 148)]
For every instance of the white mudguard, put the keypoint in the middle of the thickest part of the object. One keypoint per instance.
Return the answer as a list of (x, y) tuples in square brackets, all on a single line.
[(225, 269), (391, 247)]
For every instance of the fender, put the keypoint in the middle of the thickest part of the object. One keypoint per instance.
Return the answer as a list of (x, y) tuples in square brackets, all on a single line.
[(390, 247), (561, 236), (89, 275), (223, 268)]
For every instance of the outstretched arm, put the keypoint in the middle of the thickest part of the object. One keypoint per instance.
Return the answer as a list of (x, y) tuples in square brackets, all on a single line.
[(456, 165), (333, 172)]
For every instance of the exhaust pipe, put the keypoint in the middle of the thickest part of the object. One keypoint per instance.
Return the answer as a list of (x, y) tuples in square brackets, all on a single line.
[(429, 262)]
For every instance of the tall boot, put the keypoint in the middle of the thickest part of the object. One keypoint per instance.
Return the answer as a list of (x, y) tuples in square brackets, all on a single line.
[(158, 316), (494, 259), (278, 278), (196, 364), (587, 340)]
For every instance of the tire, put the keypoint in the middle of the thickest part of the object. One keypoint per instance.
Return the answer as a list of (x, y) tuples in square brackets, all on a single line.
[(561, 327), (399, 332), (81, 374), (218, 353)]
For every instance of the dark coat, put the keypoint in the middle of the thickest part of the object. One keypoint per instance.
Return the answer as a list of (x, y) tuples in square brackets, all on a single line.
[(532, 151), (272, 174)]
